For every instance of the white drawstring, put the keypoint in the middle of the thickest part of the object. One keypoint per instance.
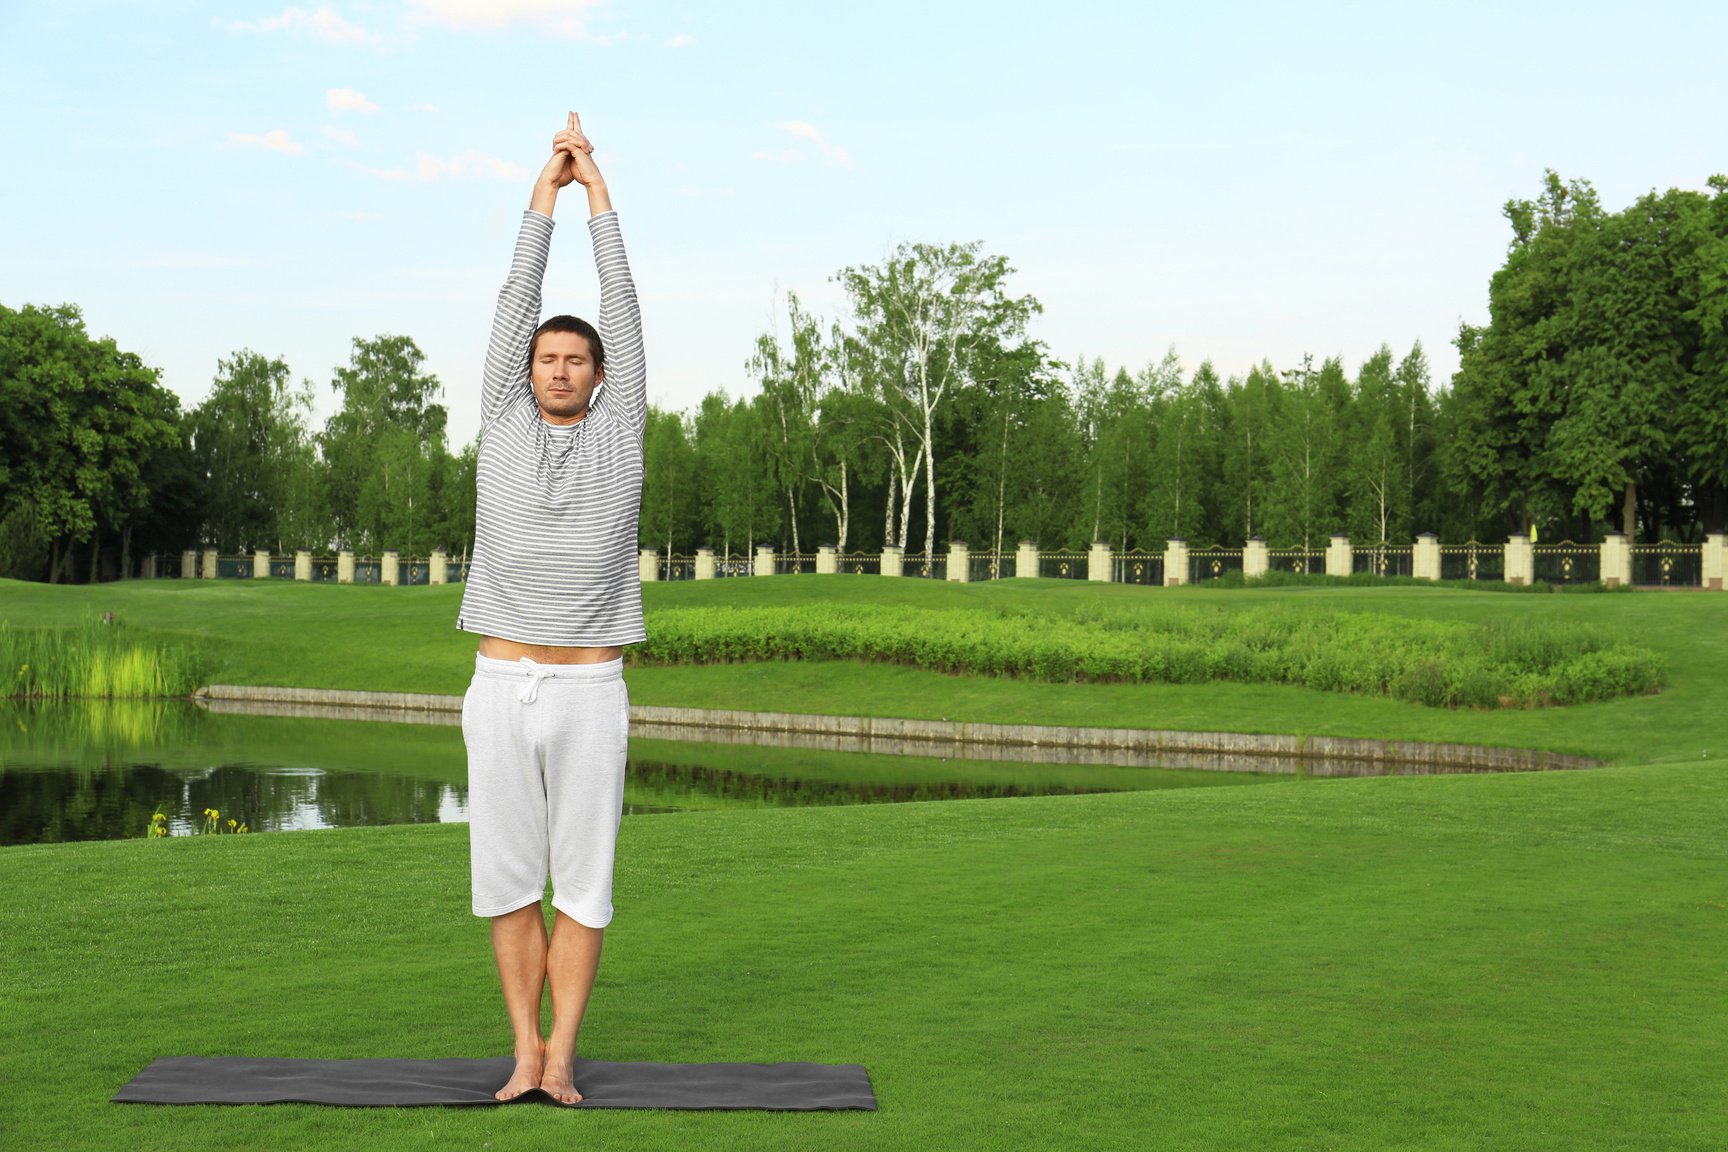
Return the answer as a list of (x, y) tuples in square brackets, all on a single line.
[(536, 673)]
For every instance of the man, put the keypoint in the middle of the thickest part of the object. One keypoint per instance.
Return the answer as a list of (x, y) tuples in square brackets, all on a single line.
[(553, 594)]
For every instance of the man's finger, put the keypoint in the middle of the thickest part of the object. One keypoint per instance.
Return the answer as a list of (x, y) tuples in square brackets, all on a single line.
[(574, 123)]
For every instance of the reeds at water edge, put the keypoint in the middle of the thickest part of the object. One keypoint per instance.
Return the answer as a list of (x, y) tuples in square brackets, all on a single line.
[(100, 660)]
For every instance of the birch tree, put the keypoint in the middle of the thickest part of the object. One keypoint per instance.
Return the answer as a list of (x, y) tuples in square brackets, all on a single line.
[(921, 310)]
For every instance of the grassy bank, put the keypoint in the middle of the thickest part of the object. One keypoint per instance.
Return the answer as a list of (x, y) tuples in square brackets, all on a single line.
[(404, 639), (1442, 963)]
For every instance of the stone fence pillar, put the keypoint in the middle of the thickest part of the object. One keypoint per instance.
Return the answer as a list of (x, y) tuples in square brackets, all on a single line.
[(1338, 555), (1425, 558), (438, 568), (826, 564), (704, 563), (1520, 561), (1026, 559), (209, 563), (345, 567), (1098, 562), (261, 564), (303, 566), (959, 562), (390, 569), (147, 567), (764, 562), (188, 565), (893, 561), (1175, 562), (647, 565), (1715, 574), (1256, 559), (1616, 560)]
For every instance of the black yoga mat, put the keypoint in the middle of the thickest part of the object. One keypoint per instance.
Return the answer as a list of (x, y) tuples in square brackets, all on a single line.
[(602, 1083)]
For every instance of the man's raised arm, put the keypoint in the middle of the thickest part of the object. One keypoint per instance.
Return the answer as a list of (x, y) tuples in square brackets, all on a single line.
[(624, 396)]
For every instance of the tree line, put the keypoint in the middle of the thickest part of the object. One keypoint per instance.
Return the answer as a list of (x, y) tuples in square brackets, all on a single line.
[(99, 465), (1594, 399)]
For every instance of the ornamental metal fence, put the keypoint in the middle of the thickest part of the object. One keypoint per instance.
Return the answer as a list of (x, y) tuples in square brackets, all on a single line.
[(675, 567), (1660, 564), (929, 567), (1565, 562), (1138, 568), (1472, 561), (1211, 563), (732, 565), (982, 566), (1384, 560), (1062, 565), (1300, 561), (1668, 565)]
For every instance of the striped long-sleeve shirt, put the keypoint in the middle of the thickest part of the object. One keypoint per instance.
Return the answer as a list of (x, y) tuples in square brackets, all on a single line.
[(555, 535)]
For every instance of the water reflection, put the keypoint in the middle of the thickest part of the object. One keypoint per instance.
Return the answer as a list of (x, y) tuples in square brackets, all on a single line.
[(88, 771)]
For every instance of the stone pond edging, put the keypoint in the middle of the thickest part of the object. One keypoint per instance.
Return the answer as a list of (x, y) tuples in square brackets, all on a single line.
[(1466, 757)]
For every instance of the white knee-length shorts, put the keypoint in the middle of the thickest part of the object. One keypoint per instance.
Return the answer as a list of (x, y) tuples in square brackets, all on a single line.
[(546, 749)]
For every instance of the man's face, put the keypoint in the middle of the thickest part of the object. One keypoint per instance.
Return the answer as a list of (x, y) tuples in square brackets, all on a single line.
[(563, 375)]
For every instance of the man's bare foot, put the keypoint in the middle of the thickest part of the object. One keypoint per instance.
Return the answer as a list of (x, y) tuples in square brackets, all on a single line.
[(557, 1082), (527, 1076)]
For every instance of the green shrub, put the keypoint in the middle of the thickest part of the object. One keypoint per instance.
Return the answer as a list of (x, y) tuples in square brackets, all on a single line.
[(1432, 662)]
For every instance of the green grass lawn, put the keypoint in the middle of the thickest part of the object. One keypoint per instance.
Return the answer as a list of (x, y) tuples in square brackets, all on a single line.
[(1516, 961), (1529, 961)]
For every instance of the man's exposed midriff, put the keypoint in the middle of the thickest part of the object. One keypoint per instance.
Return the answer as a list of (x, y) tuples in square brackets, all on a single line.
[(497, 648)]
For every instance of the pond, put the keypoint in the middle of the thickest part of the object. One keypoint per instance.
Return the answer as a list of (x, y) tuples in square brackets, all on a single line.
[(90, 771)]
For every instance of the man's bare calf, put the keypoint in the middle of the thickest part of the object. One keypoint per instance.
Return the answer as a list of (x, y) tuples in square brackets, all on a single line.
[(519, 944)]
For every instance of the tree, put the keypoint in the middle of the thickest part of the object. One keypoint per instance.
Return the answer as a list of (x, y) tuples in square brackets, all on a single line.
[(1511, 388), (1378, 483), (920, 312), (1184, 444), (1701, 421), (237, 443), (669, 508), (81, 426), (387, 404)]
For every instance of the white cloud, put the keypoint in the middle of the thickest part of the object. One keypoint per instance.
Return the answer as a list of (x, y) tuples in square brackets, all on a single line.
[(563, 18), (341, 136), (275, 140), (347, 100), (835, 155), (430, 169), (321, 23), (682, 40), (432, 108)]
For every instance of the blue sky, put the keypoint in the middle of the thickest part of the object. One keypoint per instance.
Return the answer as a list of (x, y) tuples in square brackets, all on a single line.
[(1235, 180)]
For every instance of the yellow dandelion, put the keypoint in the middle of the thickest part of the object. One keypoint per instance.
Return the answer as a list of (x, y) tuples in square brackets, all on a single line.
[(231, 824)]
